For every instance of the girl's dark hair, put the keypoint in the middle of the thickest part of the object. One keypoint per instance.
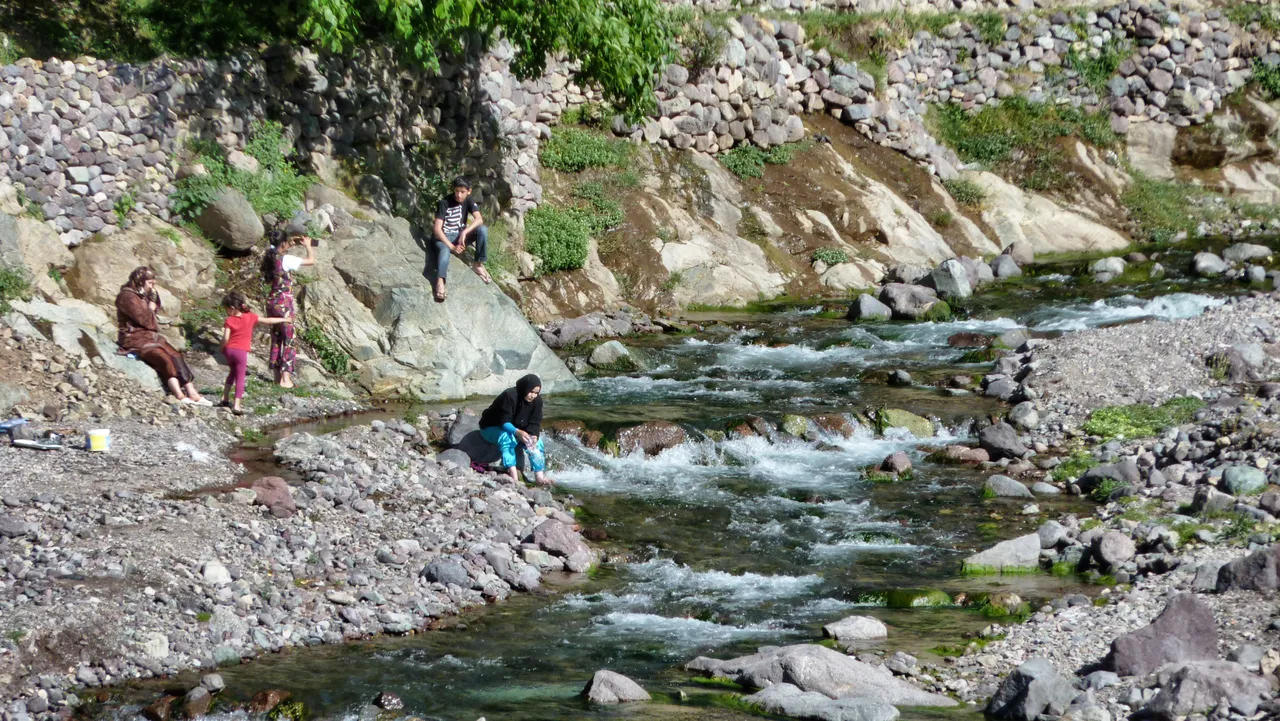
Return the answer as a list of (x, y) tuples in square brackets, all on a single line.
[(235, 299), (276, 240)]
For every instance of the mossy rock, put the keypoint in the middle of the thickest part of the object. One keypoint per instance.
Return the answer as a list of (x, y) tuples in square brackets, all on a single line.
[(917, 598), (898, 418), (795, 425)]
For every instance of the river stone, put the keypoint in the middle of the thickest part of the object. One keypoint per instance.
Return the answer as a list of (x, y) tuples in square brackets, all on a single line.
[(1051, 534), (230, 221), (1004, 266), (447, 572), (898, 418), (810, 667), (559, 539), (1197, 687), (609, 687), (907, 302), (1244, 480), (1105, 269), (1184, 631), (1025, 416), (856, 628), (1000, 440), (1124, 473), (1242, 252), (11, 527), (897, 462), (273, 492), (900, 378), (866, 308), (1258, 571), (213, 682), (464, 435), (1040, 488), (1208, 265), (999, 486), (653, 438), (1017, 554), (215, 574), (612, 355), (196, 703), (1112, 549), (454, 457), (795, 425), (951, 280), (785, 699), (1032, 689)]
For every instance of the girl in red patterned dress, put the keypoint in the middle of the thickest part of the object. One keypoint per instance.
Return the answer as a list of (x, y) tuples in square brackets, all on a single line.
[(278, 266)]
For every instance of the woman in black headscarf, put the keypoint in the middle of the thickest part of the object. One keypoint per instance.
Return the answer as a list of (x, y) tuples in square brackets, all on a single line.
[(514, 423)]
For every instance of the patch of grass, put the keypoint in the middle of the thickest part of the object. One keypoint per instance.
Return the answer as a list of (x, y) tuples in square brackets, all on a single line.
[(204, 617), (14, 285), (1160, 209), (672, 282), (276, 188), (55, 275), (16, 635), (1095, 72), (591, 115), (972, 569), (1090, 523), (990, 27), (1139, 421), (571, 150), (331, 355), (1020, 138), (980, 355), (1267, 17), (172, 235), (124, 205), (1074, 466), (941, 219), (1107, 486), (557, 237), (830, 256), (716, 682), (1063, 568), (702, 40), (252, 436), (939, 312), (748, 161), (1267, 77)]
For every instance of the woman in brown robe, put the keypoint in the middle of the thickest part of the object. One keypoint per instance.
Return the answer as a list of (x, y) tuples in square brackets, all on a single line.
[(136, 306)]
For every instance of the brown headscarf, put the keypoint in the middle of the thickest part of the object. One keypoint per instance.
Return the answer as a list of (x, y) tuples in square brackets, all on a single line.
[(138, 284)]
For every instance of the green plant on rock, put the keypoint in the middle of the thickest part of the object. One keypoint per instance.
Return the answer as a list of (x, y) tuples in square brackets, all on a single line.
[(965, 191), (289, 711), (939, 312), (830, 256), (1139, 421), (703, 40), (124, 205), (748, 161), (1096, 71), (331, 355), (941, 219), (557, 237), (571, 150), (1105, 488), (14, 285), (1074, 466), (275, 188), (990, 27)]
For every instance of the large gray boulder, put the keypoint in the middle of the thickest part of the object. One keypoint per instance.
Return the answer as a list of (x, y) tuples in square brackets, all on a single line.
[(785, 699), (1198, 687), (1259, 571), (1244, 480), (908, 302), (1001, 441), (1016, 554), (610, 687), (1004, 266), (1112, 549), (464, 435), (1243, 252), (999, 486), (374, 298), (951, 280), (815, 668), (1032, 689), (866, 308), (231, 222), (1184, 631)]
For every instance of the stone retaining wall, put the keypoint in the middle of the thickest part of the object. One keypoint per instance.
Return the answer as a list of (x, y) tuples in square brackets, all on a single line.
[(79, 135)]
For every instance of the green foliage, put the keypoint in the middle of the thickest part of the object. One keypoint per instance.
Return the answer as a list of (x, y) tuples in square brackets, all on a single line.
[(672, 282), (942, 219), (715, 681), (1074, 466), (703, 41), (174, 236), (124, 205), (557, 237), (1267, 77), (331, 355), (619, 46), (1020, 138), (831, 256), (289, 711), (1139, 421), (204, 617), (196, 319), (990, 26), (602, 213), (1106, 488), (275, 188), (571, 150), (965, 192), (591, 115), (1095, 72), (939, 312), (1161, 209), (55, 275), (748, 161), (14, 285), (1063, 568), (1267, 17)]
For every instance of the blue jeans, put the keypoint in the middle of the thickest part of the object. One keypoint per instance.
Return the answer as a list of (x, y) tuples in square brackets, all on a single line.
[(478, 237), (512, 449)]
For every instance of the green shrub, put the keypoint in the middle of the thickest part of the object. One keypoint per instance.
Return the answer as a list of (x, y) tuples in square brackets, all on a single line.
[(942, 219), (1096, 72), (1139, 421), (124, 205), (331, 355), (744, 161), (1074, 466), (1020, 138), (831, 256), (571, 150), (276, 188), (1161, 209), (965, 192), (703, 40), (14, 285), (1267, 77), (557, 237)]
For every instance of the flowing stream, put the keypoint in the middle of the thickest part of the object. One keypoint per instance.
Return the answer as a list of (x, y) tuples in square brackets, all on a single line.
[(739, 543)]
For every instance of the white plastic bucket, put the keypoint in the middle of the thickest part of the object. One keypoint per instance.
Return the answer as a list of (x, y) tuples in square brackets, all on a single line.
[(99, 441)]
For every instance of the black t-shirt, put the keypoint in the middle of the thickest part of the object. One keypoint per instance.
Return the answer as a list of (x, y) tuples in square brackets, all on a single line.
[(454, 214)]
